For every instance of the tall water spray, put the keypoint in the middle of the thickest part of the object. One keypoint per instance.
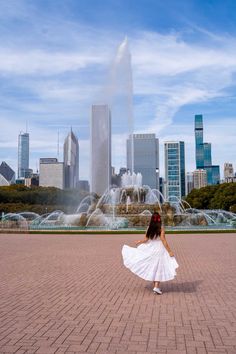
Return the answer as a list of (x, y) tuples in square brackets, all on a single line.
[(120, 94)]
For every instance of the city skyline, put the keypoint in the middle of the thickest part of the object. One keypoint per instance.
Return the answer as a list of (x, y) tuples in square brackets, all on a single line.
[(183, 62)]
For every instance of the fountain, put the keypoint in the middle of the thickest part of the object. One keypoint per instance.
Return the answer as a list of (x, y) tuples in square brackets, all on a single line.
[(127, 207)]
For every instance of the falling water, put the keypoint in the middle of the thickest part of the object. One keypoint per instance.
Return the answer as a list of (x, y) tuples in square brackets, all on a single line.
[(119, 95)]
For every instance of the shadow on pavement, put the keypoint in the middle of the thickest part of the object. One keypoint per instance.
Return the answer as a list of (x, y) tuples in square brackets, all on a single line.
[(185, 287)]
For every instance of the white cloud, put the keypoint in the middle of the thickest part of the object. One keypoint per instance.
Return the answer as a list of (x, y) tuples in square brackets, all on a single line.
[(38, 62), (169, 55), (176, 73)]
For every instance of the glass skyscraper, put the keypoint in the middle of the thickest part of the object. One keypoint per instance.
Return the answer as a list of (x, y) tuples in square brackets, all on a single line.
[(145, 158), (23, 155), (199, 141), (71, 160), (215, 173), (174, 169), (203, 153), (207, 154)]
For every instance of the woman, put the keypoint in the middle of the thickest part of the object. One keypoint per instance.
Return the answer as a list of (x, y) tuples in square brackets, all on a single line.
[(153, 259)]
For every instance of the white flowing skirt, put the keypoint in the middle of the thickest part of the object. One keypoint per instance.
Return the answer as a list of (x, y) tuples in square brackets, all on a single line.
[(150, 261)]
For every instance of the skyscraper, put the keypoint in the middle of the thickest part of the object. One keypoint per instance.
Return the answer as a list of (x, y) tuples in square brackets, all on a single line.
[(199, 141), (174, 169), (23, 155), (203, 153), (100, 140), (71, 160), (145, 157)]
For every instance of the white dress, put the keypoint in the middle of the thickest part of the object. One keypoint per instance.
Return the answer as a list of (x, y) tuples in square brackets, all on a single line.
[(150, 261)]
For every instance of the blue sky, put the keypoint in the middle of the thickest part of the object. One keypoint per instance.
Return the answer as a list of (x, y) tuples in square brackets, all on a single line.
[(55, 58)]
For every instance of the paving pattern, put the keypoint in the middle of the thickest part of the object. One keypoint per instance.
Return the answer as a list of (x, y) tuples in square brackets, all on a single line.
[(71, 294)]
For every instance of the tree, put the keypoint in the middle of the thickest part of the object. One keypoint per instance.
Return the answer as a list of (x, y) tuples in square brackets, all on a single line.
[(222, 196)]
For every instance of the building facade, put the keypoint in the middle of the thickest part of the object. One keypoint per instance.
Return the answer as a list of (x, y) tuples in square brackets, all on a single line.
[(51, 173), (23, 155), (199, 178), (7, 175), (174, 169), (228, 170), (100, 149), (207, 154), (71, 160), (33, 181), (145, 158), (189, 182)]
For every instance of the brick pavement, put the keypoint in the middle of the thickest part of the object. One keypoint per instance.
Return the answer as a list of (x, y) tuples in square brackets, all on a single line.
[(71, 294)]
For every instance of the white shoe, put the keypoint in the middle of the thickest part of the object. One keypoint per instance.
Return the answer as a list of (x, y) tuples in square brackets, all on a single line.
[(157, 291)]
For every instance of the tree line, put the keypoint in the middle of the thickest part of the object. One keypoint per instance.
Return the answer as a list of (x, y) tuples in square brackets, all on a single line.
[(16, 198), (221, 196)]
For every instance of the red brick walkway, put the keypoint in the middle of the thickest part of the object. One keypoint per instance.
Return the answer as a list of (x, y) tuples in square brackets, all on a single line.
[(71, 294)]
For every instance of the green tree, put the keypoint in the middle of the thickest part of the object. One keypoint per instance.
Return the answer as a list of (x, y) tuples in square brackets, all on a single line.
[(222, 196)]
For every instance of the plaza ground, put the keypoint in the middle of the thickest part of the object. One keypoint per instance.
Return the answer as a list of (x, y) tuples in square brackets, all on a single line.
[(72, 294)]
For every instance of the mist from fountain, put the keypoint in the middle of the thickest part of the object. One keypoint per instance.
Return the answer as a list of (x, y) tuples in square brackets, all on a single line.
[(119, 96), (131, 179), (128, 202)]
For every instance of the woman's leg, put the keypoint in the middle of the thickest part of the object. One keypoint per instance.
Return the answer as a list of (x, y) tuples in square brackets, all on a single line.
[(156, 288), (156, 284)]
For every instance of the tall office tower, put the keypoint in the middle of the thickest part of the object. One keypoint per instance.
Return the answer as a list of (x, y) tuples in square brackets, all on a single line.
[(71, 160), (199, 141), (145, 157), (51, 173), (174, 169), (100, 141), (203, 153), (199, 178), (228, 170), (189, 182), (23, 155)]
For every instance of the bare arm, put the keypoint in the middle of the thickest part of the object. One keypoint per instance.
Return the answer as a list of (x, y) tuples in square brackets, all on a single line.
[(142, 241), (163, 239)]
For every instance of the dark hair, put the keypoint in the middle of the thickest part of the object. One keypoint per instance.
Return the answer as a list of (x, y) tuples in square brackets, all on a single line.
[(154, 228)]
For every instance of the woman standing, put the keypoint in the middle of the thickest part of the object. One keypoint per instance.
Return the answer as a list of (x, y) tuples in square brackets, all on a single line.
[(153, 259)]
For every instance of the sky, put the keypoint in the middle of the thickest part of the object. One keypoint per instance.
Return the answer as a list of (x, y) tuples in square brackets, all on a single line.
[(55, 58)]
